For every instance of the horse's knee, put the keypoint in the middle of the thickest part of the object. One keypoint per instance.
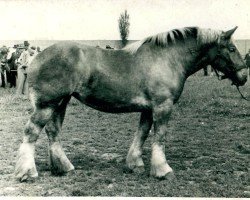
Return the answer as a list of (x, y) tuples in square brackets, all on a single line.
[(42, 115), (31, 132), (36, 123), (51, 128)]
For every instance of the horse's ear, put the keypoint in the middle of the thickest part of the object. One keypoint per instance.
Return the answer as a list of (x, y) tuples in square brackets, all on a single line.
[(228, 34)]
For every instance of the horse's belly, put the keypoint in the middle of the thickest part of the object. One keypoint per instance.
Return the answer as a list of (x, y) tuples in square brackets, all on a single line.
[(112, 94), (113, 105)]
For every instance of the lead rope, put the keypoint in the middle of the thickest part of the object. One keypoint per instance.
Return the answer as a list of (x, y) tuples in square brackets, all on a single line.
[(242, 96), (221, 78)]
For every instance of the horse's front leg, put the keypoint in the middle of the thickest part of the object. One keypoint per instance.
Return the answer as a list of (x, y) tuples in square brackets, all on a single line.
[(159, 165), (134, 160)]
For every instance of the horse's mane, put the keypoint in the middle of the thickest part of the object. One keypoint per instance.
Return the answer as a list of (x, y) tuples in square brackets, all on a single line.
[(202, 36)]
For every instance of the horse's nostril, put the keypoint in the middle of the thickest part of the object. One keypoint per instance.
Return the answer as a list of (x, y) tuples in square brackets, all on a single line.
[(244, 73)]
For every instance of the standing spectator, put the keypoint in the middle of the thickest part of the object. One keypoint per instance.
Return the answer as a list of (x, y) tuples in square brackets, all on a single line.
[(38, 49), (3, 55), (19, 51), (26, 44), (11, 59), (34, 50), (205, 70), (23, 63), (247, 58)]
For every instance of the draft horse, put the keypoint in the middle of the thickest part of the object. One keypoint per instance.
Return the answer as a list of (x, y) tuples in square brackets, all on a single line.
[(147, 77)]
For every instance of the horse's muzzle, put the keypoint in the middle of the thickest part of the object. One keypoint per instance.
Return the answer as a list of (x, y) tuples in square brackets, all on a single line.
[(241, 77)]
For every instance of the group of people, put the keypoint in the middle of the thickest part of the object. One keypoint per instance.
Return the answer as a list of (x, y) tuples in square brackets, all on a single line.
[(14, 63)]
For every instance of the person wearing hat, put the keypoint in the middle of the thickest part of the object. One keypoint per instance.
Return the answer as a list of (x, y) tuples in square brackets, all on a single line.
[(23, 63), (33, 51), (26, 44), (38, 49)]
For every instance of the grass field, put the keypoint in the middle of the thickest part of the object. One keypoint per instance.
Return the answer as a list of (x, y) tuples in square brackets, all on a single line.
[(207, 146)]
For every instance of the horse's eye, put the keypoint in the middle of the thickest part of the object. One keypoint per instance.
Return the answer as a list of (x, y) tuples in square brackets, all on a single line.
[(232, 49)]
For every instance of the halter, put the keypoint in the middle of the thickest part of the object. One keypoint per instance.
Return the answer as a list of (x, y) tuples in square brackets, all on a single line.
[(192, 50), (221, 56), (234, 69)]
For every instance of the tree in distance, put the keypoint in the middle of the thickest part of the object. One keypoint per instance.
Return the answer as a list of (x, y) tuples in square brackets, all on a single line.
[(124, 27)]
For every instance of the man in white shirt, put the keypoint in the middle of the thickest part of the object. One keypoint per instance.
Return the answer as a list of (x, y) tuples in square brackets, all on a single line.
[(23, 63)]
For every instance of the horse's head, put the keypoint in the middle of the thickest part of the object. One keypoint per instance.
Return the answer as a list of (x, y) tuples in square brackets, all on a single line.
[(225, 57)]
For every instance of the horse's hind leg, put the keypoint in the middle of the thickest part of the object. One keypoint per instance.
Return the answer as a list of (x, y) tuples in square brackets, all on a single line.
[(58, 161), (134, 160), (25, 166)]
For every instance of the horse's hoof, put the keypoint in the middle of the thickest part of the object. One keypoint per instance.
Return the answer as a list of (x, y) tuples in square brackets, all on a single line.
[(26, 178), (57, 172), (139, 170), (25, 171), (127, 170), (162, 171), (169, 177), (135, 165), (135, 169), (29, 176)]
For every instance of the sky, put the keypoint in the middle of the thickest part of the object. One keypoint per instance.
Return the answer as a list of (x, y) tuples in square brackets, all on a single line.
[(98, 19)]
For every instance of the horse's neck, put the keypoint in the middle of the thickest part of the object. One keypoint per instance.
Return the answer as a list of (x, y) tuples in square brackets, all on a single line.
[(187, 58), (194, 58)]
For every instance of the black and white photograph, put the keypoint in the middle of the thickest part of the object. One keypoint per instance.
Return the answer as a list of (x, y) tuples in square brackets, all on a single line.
[(125, 98)]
